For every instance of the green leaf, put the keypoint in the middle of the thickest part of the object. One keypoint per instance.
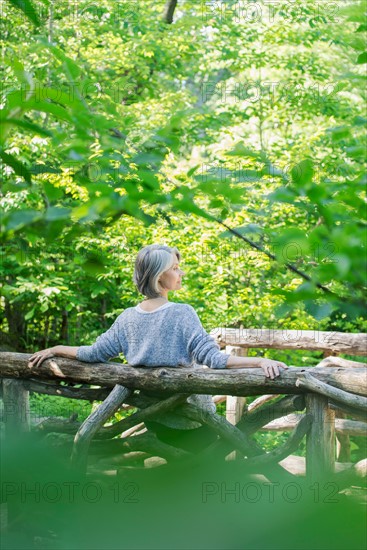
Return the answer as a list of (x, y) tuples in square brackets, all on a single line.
[(149, 158), (188, 206), (16, 220), (193, 170), (57, 213), (339, 132), (73, 69), (47, 107), (357, 43), (343, 264), (19, 168), (360, 121), (30, 314), (149, 178), (34, 128), (318, 311), (27, 8), (283, 310), (356, 151), (316, 193), (282, 194), (93, 266), (240, 150), (24, 77), (290, 245), (354, 11), (52, 193), (302, 173), (362, 58), (306, 290)]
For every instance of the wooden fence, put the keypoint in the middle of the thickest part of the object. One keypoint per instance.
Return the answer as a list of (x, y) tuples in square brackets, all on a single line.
[(308, 401)]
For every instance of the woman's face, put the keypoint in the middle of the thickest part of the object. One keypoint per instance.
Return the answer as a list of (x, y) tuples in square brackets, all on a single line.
[(171, 279)]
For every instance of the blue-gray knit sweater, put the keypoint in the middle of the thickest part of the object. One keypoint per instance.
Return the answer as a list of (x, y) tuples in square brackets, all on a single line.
[(171, 336)]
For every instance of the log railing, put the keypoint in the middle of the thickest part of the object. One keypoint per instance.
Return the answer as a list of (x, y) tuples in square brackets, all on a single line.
[(336, 385), (311, 340)]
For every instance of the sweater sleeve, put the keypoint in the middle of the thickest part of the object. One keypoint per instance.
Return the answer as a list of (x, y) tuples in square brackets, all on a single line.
[(107, 345), (202, 347)]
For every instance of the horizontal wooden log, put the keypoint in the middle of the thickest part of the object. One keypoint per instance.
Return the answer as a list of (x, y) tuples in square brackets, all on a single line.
[(260, 401), (123, 459), (147, 442), (340, 362), (135, 429), (145, 414), (296, 465), (254, 420), (342, 425), (307, 381), (336, 342), (355, 475), (58, 425), (179, 380), (219, 399), (356, 414), (87, 394), (106, 449)]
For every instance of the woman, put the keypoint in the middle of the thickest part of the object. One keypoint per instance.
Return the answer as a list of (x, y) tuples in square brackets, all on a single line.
[(158, 332)]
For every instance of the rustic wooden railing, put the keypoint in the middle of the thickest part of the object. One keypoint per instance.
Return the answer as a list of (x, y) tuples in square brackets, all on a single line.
[(336, 386)]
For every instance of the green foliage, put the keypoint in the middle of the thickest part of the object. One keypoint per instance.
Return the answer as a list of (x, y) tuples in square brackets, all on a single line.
[(119, 130), (43, 406)]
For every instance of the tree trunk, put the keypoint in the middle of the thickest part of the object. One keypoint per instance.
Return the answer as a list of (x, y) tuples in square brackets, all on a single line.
[(169, 10)]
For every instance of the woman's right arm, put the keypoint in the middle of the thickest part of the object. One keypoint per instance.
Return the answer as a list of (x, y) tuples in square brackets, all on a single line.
[(107, 345), (57, 351), (269, 366)]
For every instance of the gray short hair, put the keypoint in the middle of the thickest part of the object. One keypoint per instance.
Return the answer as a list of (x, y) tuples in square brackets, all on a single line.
[(150, 263)]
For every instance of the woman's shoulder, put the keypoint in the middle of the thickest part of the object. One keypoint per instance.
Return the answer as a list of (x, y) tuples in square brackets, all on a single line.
[(183, 306), (174, 306)]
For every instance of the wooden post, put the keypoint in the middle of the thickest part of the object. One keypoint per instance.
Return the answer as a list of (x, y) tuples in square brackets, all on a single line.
[(342, 440), (320, 440), (83, 437), (16, 408), (235, 404)]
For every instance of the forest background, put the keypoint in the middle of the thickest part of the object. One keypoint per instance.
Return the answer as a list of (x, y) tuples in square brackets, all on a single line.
[(232, 130)]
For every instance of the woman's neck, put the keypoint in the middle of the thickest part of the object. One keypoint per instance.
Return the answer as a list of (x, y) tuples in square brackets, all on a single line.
[(159, 299)]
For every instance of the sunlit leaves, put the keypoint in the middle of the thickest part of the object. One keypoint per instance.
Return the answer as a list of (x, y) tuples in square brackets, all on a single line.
[(26, 6)]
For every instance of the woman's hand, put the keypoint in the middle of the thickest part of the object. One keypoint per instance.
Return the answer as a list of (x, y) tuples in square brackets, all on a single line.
[(272, 368), (39, 356)]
